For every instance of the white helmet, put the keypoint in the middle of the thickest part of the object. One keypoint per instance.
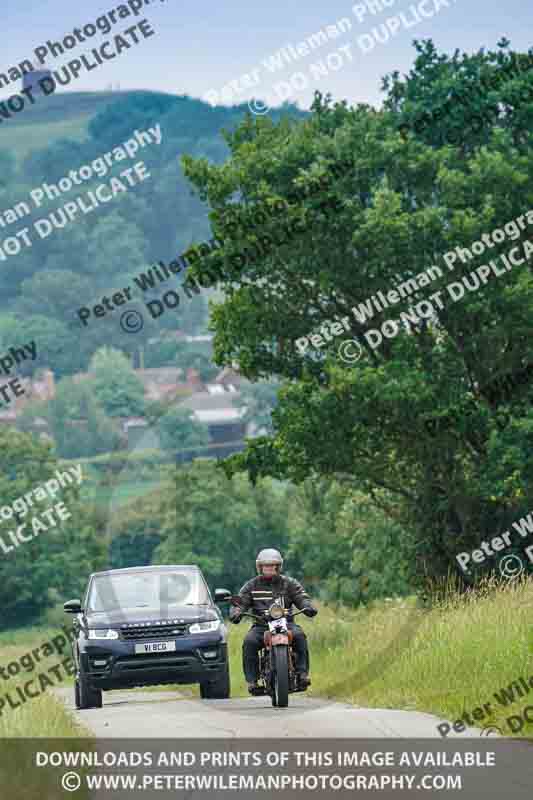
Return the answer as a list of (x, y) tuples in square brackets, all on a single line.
[(268, 556)]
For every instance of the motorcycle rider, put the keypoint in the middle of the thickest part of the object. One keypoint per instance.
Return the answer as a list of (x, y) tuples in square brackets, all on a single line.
[(257, 595)]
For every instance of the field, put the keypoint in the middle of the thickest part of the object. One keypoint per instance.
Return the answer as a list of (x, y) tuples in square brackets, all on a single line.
[(119, 489), (123, 494), (52, 118), (446, 660), (61, 115)]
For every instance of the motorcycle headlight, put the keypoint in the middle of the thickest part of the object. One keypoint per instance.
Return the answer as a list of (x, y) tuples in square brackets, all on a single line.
[(205, 627), (103, 633), (276, 612)]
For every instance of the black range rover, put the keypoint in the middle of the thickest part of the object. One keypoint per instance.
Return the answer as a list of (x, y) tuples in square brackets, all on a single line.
[(145, 626)]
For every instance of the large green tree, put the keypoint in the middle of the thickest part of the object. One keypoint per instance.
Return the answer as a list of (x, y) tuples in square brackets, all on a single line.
[(179, 430), (52, 341), (117, 388), (404, 201), (78, 423)]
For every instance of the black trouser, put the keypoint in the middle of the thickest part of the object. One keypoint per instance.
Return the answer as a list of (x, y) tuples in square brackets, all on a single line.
[(253, 642)]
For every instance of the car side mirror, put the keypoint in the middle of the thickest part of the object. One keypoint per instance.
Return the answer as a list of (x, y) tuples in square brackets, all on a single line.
[(72, 607), (222, 596)]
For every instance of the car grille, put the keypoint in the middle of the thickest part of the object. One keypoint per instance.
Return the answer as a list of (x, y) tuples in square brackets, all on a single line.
[(154, 632)]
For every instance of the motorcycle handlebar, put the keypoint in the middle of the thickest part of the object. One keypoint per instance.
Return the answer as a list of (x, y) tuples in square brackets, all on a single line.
[(236, 601), (266, 614)]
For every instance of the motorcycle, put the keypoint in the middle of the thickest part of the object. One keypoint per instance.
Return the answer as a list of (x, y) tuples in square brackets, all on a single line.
[(277, 674)]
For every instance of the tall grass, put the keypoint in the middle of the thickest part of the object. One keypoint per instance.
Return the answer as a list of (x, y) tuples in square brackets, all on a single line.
[(41, 716)]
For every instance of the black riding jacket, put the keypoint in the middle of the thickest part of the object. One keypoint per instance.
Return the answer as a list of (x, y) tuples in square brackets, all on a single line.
[(258, 594)]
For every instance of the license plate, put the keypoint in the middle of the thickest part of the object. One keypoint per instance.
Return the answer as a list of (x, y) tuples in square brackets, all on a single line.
[(155, 647), (280, 638)]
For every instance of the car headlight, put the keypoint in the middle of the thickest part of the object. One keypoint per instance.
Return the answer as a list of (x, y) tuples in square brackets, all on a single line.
[(205, 627), (103, 633)]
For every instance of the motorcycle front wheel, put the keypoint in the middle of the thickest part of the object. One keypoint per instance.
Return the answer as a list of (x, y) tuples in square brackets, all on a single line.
[(280, 678)]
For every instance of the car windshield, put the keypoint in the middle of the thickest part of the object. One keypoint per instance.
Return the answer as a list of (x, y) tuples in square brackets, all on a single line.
[(151, 590)]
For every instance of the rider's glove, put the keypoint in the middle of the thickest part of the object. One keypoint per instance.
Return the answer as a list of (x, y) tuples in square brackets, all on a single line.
[(235, 615), (310, 611)]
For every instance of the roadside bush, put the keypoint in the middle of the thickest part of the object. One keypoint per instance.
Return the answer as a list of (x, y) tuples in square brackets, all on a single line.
[(44, 570), (346, 549)]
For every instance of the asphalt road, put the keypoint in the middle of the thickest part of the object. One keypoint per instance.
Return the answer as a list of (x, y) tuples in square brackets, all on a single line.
[(171, 714)]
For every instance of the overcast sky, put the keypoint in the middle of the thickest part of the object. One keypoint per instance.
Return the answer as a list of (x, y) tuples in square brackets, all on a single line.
[(201, 46)]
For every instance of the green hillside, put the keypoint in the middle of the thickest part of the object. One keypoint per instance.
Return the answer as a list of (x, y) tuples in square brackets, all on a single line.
[(45, 285), (63, 115)]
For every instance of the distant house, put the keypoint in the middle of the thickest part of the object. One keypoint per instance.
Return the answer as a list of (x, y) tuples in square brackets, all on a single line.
[(30, 80), (41, 389), (139, 434), (35, 390), (217, 409), (229, 377), (162, 382), (214, 406)]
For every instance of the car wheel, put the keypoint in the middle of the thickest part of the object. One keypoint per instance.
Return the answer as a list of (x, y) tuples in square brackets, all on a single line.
[(219, 689), (88, 698)]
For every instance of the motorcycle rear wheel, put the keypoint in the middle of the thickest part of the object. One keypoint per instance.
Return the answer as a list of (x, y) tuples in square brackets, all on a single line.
[(280, 696)]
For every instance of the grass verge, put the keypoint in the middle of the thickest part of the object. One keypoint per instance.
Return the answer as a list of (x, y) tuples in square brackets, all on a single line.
[(42, 716)]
